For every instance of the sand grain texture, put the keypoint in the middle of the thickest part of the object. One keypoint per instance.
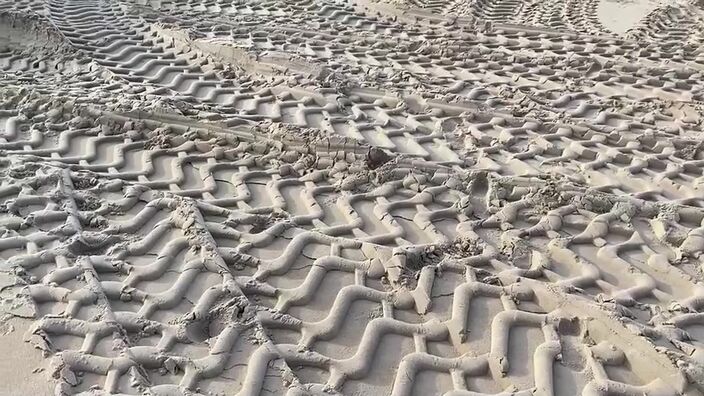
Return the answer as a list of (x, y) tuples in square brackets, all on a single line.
[(351, 197)]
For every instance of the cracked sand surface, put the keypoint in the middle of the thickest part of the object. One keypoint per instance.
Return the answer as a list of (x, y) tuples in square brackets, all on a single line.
[(354, 197)]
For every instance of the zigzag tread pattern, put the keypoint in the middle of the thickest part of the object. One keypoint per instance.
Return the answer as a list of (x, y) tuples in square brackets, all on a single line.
[(309, 198)]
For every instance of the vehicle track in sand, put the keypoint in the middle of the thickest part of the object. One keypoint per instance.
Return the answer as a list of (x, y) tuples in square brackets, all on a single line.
[(352, 197)]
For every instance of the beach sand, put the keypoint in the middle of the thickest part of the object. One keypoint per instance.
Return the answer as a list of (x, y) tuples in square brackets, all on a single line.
[(351, 197)]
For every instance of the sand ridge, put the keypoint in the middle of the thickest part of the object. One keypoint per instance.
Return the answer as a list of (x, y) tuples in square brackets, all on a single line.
[(351, 197)]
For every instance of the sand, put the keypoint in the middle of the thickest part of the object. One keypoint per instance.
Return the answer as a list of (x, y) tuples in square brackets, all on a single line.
[(352, 197)]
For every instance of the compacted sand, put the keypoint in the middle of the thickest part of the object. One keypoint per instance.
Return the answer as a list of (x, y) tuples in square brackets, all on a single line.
[(351, 197)]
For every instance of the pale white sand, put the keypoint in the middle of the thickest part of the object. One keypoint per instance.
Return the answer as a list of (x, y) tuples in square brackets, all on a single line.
[(351, 197), (621, 15)]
